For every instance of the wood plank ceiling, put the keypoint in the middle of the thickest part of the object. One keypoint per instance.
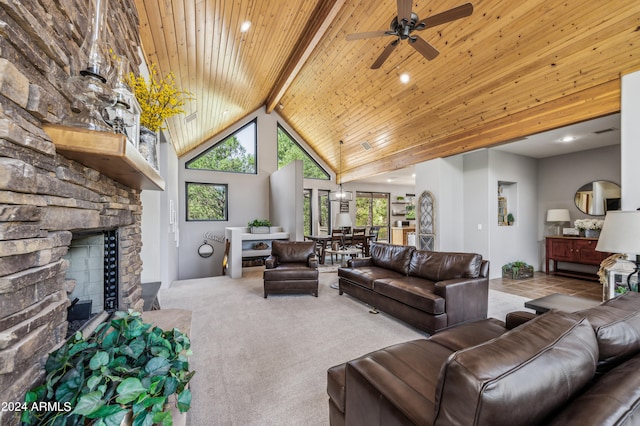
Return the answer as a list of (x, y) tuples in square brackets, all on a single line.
[(510, 69)]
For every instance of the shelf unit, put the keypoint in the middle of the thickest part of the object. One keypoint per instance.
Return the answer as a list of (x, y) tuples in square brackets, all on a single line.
[(108, 153), (241, 243)]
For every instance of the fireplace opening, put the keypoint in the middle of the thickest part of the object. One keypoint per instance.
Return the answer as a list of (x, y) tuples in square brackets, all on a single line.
[(92, 276)]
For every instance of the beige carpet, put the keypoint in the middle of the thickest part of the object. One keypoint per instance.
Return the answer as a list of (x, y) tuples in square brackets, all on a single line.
[(264, 361)]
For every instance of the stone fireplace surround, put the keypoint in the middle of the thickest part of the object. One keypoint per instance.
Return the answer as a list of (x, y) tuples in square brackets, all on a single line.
[(45, 197)]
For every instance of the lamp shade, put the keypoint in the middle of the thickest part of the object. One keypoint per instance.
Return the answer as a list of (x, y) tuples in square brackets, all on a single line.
[(341, 195), (343, 220), (558, 215), (620, 233)]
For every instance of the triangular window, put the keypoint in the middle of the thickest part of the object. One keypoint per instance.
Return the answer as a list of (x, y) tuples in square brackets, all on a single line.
[(289, 150), (236, 153)]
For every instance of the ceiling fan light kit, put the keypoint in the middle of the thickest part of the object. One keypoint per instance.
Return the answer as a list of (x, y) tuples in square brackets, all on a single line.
[(403, 25)]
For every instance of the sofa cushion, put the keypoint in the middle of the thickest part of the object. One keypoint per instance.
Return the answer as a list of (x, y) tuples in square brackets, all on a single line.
[(390, 256), (617, 326), (466, 335), (366, 275), (399, 380), (613, 400), (440, 266), (415, 292), (290, 272), (292, 251), (520, 377)]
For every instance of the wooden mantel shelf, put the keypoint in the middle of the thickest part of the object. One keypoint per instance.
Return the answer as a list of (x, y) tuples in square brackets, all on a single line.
[(108, 153)]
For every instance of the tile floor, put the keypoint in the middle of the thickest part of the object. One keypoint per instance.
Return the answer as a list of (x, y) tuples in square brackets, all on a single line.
[(542, 284)]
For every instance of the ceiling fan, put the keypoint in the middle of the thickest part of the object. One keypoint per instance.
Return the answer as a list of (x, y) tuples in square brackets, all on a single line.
[(406, 23)]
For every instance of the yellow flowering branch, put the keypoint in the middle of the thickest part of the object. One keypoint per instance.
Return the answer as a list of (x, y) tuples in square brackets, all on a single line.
[(159, 99)]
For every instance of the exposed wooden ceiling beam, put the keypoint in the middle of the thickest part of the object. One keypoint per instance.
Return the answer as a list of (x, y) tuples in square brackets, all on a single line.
[(320, 20)]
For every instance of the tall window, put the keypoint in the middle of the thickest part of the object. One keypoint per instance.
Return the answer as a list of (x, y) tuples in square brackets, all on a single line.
[(372, 209), (206, 201), (324, 206), (289, 150), (308, 216), (236, 153)]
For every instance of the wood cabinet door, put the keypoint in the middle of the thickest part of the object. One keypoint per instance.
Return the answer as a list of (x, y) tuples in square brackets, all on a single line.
[(560, 249), (586, 251)]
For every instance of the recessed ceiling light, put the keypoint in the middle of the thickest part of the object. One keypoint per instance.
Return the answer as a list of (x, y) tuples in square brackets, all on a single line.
[(404, 78), (245, 26), (225, 112), (568, 139)]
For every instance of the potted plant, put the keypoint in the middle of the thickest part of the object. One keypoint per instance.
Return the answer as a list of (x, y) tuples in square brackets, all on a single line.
[(517, 270), (510, 219), (589, 227), (260, 226), (159, 99), (126, 368)]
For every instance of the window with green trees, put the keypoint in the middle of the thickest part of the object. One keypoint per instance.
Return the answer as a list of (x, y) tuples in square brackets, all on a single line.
[(206, 201), (372, 209), (308, 216), (236, 153), (289, 150)]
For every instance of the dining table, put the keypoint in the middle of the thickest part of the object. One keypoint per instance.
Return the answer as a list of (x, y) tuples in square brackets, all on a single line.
[(324, 241)]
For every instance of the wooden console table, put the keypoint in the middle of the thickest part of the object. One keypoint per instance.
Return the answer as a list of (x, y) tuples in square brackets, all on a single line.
[(573, 250)]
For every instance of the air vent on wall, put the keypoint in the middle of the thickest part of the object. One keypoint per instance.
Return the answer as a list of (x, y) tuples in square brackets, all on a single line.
[(366, 145), (598, 132), (189, 118)]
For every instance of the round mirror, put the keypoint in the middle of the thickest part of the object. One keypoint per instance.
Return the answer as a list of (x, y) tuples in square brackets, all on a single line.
[(205, 250), (598, 197)]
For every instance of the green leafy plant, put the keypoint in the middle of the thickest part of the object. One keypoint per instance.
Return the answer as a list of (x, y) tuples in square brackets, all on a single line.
[(259, 222), (125, 366), (510, 218), (517, 264)]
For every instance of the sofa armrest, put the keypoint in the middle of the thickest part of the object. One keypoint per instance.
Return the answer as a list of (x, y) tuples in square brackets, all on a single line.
[(271, 262), (359, 262), (312, 261), (466, 299), (514, 319)]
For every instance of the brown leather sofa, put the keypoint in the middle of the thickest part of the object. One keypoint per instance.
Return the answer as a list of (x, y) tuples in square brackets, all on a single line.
[(429, 290), (292, 267), (555, 369)]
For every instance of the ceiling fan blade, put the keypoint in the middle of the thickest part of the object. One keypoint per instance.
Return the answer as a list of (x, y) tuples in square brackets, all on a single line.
[(447, 16), (385, 54), (424, 48), (369, 34), (404, 10)]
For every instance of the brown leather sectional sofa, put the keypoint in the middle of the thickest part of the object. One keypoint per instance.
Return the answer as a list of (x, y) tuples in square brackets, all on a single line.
[(555, 369), (429, 290)]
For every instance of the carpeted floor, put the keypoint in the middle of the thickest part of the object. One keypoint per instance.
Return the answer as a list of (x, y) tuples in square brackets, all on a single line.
[(264, 361)]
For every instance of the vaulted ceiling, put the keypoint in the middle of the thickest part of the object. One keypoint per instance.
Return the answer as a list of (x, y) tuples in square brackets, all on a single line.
[(510, 69)]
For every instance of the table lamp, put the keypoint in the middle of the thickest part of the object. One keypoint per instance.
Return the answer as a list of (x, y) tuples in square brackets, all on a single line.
[(558, 216), (621, 234)]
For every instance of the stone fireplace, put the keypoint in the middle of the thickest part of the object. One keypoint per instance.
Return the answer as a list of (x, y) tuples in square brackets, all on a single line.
[(46, 198)]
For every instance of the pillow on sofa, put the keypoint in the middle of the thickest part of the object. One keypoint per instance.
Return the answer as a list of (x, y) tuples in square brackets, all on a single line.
[(617, 327), (520, 377), (440, 266), (391, 256)]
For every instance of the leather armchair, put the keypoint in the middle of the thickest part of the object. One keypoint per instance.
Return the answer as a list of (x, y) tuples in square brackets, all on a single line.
[(291, 268)]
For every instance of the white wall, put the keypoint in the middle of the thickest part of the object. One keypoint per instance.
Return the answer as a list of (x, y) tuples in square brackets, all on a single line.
[(287, 200), (519, 241), (443, 177), (560, 177), (630, 135), (159, 246), (476, 208)]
